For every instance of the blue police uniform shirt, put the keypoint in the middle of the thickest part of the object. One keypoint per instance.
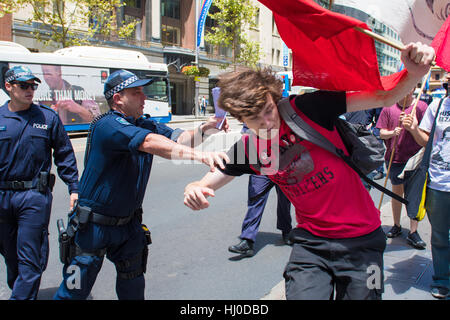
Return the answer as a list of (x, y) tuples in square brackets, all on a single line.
[(116, 172), (26, 141)]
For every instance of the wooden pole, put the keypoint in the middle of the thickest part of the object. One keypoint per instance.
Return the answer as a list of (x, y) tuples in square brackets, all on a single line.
[(396, 45), (391, 157), (420, 93)]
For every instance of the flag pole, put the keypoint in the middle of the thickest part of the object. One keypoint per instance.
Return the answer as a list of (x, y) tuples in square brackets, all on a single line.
[(391, 158), (372, 34), (421, 91), (396, 45)]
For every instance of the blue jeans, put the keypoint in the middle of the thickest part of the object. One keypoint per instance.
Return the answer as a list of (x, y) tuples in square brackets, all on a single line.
[(437, 204)]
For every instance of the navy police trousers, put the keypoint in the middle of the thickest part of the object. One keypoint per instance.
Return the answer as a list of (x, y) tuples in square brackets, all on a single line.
[(258, 193), (24, 218), (125, 246)]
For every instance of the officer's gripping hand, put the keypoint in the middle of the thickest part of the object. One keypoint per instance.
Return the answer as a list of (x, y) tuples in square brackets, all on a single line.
[(213, 159), (73, 198), (195, 196)]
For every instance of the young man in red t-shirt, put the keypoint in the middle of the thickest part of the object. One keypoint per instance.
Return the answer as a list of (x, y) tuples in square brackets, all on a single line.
[(338, 242)]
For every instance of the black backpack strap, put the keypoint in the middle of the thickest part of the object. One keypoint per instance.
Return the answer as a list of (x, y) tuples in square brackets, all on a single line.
[(305, 131)]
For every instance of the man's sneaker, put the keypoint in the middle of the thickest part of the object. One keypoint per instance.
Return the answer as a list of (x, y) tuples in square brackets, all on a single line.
[(379, 175), (439, 292), (286, 239), (245, 247), (394, 232), (415, 240)]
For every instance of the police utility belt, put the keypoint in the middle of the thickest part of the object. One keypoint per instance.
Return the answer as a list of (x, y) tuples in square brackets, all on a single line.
[(78, 219), (42, 183), (84, 215)]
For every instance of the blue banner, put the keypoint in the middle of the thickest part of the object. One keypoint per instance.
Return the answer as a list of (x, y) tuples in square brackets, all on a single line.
[(201, 20)]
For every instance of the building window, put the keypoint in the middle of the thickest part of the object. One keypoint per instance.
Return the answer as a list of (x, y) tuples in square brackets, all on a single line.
[(132, 11), (257, 18), (274, 27), (133, 4), (170, 35), (170, 9)]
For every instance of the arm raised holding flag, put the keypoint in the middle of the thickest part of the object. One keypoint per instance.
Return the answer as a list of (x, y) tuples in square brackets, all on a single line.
[(417, 59)]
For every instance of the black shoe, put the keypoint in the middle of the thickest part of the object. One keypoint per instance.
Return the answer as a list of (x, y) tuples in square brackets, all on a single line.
[(415, 240), (286, 239), (245, 247), (439, 292), (379, 175), (394, 232)]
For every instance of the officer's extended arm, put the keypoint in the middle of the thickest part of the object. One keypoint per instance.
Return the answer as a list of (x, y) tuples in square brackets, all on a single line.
[(161, 146)]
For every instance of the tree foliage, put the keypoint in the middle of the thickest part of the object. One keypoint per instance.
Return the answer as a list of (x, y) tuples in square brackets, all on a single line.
[(73, 22), (233, 18)]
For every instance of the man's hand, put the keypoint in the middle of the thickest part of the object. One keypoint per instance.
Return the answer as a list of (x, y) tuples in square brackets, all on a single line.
[(195, 196), (213, 159), (396, 131), (410, 122), (73, 198), (417, 58)]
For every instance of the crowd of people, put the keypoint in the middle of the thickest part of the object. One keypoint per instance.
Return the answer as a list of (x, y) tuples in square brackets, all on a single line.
[(106, 203)]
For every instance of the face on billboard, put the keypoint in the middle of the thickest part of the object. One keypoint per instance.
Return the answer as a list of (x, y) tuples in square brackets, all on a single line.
[(75, 93)]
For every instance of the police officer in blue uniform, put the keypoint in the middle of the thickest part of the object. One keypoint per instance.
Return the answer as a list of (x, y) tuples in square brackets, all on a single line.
[(28, 133), (107, 219)]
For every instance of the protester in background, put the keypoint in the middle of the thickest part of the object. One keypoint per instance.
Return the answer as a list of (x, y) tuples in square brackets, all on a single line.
[(258, 192), (29, 135), (334, 212), (373, 115), (203, 105), (438, 188), (402, 143)]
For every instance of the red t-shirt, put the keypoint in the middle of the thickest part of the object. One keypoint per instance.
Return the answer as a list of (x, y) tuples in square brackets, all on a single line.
[(329, 198)]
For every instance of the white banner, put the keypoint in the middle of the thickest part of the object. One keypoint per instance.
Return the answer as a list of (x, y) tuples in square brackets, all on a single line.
[(414, 20)]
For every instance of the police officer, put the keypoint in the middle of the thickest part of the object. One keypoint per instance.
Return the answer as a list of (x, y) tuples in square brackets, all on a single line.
[(107, 219), (28, 133)]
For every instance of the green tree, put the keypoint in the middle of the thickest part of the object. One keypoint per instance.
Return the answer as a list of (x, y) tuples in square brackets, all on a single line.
[(71, 23), (232, 18)]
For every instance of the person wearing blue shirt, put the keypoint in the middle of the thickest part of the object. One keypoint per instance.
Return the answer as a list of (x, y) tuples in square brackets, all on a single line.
[(118, 160), (28, 134)]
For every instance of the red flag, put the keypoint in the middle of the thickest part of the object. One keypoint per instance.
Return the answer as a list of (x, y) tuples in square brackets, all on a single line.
[(441, 45), (328, 53)]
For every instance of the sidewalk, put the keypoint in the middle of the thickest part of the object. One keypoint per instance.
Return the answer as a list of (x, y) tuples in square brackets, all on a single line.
[(407, 271)]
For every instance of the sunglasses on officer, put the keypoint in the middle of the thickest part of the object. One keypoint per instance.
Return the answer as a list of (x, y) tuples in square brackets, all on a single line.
[(26, 85)]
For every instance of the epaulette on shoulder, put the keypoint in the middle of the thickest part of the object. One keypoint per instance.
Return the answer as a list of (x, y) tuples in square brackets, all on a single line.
[(47, 107)]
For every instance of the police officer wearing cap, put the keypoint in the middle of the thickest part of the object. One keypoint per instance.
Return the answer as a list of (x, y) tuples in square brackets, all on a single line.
[(28, 134), (119, 154)]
